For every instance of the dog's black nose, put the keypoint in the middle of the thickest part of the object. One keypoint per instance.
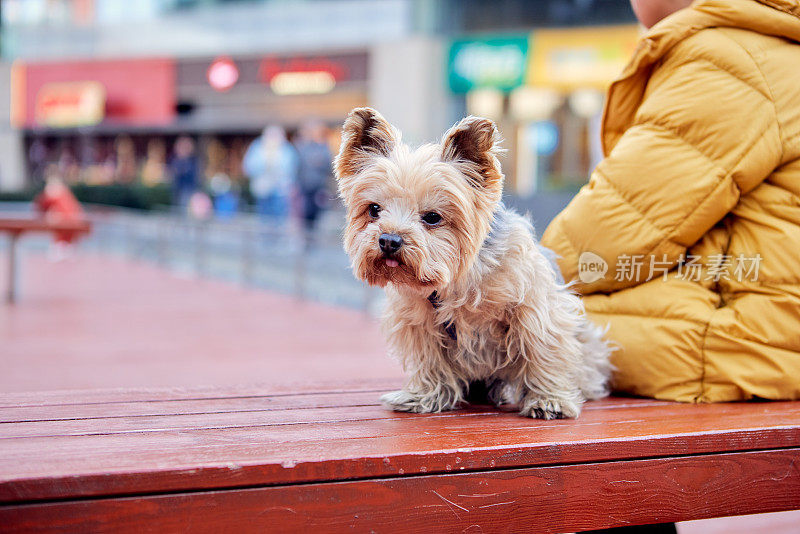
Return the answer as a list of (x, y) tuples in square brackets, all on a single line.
[(390, 243)]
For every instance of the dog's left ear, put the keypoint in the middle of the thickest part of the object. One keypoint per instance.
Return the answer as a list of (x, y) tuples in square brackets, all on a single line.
[(476, 141), (365, 134)]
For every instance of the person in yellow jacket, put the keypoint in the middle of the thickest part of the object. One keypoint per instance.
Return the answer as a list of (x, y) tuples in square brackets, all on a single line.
[(686, 240)]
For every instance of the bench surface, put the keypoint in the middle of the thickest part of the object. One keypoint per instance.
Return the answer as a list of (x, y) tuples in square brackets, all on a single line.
[(310, 448)]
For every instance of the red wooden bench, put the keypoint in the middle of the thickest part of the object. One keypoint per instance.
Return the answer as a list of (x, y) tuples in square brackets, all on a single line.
[(333, 460), (17, 226), (310, 449)]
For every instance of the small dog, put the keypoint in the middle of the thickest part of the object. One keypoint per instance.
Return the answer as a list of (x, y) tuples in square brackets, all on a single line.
[(472, 299)]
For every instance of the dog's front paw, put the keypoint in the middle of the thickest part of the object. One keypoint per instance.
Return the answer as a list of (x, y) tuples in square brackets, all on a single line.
[(544, 408), (401, 401), (405, 401)]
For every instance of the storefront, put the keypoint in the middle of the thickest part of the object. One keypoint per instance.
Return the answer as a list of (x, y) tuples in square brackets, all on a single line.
[(545, 90), (247, 93), (117, 121)]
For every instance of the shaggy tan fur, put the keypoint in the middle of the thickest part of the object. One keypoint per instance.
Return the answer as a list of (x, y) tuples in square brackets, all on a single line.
[(498, 314)]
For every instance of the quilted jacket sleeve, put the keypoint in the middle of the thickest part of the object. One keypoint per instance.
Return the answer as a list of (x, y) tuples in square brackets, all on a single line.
[(705, 134)]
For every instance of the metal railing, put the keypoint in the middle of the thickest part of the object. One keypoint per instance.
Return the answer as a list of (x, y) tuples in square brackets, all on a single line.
[(244, 249)]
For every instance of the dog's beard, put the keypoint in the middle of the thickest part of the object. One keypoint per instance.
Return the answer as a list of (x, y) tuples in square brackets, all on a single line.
[(383, 270), (377, 269), (407, 268), (417, 268)]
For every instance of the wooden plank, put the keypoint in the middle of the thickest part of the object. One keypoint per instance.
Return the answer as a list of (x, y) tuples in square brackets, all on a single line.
[(166, 407), (540, 500), (203, 421), (189, 406), (116, 395), (177, 460), (351, 408), (593, 425)]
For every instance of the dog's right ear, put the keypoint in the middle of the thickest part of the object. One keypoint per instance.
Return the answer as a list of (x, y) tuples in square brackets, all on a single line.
[(475, 141), (365, 134)]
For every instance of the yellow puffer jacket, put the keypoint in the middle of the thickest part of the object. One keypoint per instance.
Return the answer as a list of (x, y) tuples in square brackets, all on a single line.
[(702, 179)]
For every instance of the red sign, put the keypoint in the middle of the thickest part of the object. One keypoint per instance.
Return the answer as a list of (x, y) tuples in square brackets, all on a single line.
[(272, 66), (70, 104), (138, 92), (294, 72), (222, 74)]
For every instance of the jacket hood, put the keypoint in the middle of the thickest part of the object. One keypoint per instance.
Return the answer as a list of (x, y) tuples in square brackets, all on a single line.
[(780, 18)]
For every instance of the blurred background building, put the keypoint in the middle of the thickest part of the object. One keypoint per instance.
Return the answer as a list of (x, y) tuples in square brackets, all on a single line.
[(101, 89)]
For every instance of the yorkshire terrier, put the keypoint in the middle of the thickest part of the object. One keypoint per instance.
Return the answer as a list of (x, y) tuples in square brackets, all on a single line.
[(472, 298)]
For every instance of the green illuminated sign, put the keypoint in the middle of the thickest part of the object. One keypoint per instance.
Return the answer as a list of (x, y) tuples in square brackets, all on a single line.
[(496, 62)]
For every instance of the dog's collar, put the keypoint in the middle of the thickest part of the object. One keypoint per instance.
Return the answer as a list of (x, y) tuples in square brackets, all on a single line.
[(449, 328)]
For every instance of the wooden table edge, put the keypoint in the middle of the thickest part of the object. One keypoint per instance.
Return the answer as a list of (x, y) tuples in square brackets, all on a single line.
[(546, 498), (233, 475)]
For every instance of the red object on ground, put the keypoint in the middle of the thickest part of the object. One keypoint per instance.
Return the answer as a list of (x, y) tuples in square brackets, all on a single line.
[(15, 227), (56, 202)]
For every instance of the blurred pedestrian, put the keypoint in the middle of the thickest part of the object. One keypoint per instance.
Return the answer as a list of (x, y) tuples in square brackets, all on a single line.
[(271, 164), (184, 170), (314, 172), (56, 203)]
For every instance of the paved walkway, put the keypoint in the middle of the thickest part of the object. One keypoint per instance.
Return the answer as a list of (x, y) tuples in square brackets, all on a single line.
[(98, 322)]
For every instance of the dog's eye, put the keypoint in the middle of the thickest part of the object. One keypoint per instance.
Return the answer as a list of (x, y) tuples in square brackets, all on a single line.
[(374, 210), (431, 218)]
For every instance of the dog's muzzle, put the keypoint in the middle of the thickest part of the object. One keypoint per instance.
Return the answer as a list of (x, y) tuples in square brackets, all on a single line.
[(390, 243)]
